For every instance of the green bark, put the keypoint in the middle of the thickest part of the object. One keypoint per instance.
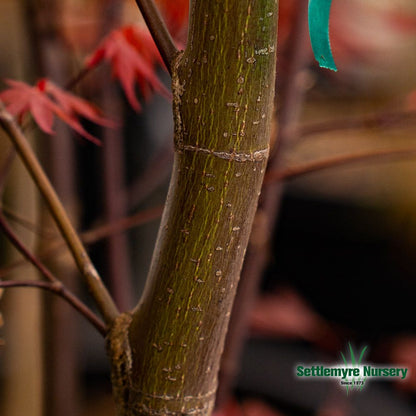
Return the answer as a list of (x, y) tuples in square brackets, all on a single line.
[(166, 353)]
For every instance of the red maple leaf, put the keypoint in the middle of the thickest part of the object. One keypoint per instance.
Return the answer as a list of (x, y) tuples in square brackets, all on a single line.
[(133, 57), (46, 100)]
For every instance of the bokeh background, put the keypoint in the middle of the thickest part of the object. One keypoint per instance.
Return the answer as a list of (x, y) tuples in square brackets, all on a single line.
[(337, 240)]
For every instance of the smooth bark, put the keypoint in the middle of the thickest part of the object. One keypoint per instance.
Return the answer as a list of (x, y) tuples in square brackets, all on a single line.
[(166, 353)]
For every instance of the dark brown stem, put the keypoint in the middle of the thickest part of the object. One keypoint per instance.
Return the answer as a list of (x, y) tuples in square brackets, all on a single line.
[(59, 289), (103, 299), (318, 165), (159, 31)]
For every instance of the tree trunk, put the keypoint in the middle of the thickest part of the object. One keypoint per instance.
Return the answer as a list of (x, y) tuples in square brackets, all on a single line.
[(166, 353)]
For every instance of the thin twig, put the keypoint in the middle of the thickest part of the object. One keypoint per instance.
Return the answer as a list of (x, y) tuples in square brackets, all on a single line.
[(14, 239), (5, 169), (27, 224), (100, 294), (384, 119), (78, 77), (159, 31), (59, 289), (155, 174), (94, 235), (318, 165), (123, 224)]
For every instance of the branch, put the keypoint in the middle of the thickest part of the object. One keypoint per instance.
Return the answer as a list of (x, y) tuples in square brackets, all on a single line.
[(59, 289), (96, 234), (159, 31), (384, 119), (317, 165), (5, 169), (27, 224), (78, 77), (100, 294), (123, 224), (14, 239), (155, 174)]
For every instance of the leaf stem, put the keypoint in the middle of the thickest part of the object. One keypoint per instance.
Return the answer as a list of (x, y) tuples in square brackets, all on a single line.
[(100, 294), (159, 31), (59, 289)]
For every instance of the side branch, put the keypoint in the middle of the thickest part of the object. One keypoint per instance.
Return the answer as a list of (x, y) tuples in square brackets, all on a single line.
[(94, 235), (380, 120), (24, 251), (314, 166), (159, 31), (101, 296), (5, 169), (59, 289)]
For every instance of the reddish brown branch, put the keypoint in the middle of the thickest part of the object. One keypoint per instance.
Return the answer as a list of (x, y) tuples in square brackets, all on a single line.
[(54, 284), (59, 289), (27, 224), (318, 165), (14, 239), (99, 292), (5, 169), (384, 119), (156, 173), (142, 217), (94, 235)]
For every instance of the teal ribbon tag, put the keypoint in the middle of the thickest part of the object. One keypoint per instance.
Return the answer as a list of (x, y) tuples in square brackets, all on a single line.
[(318, 15)]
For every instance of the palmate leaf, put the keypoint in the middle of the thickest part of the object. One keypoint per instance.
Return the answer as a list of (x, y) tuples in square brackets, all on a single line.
[(133, 57), (318, 13), (46, 100)]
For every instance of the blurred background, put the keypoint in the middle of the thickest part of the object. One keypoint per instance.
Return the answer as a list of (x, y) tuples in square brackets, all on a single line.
[(332, 254)]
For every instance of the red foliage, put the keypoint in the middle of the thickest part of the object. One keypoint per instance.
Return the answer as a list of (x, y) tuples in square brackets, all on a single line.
[(46, 100), (133, 57), (175, 14)]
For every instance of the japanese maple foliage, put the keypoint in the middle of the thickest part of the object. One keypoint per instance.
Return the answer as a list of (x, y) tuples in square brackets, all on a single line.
[(133, 56), (176, 15), (46, 100)]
